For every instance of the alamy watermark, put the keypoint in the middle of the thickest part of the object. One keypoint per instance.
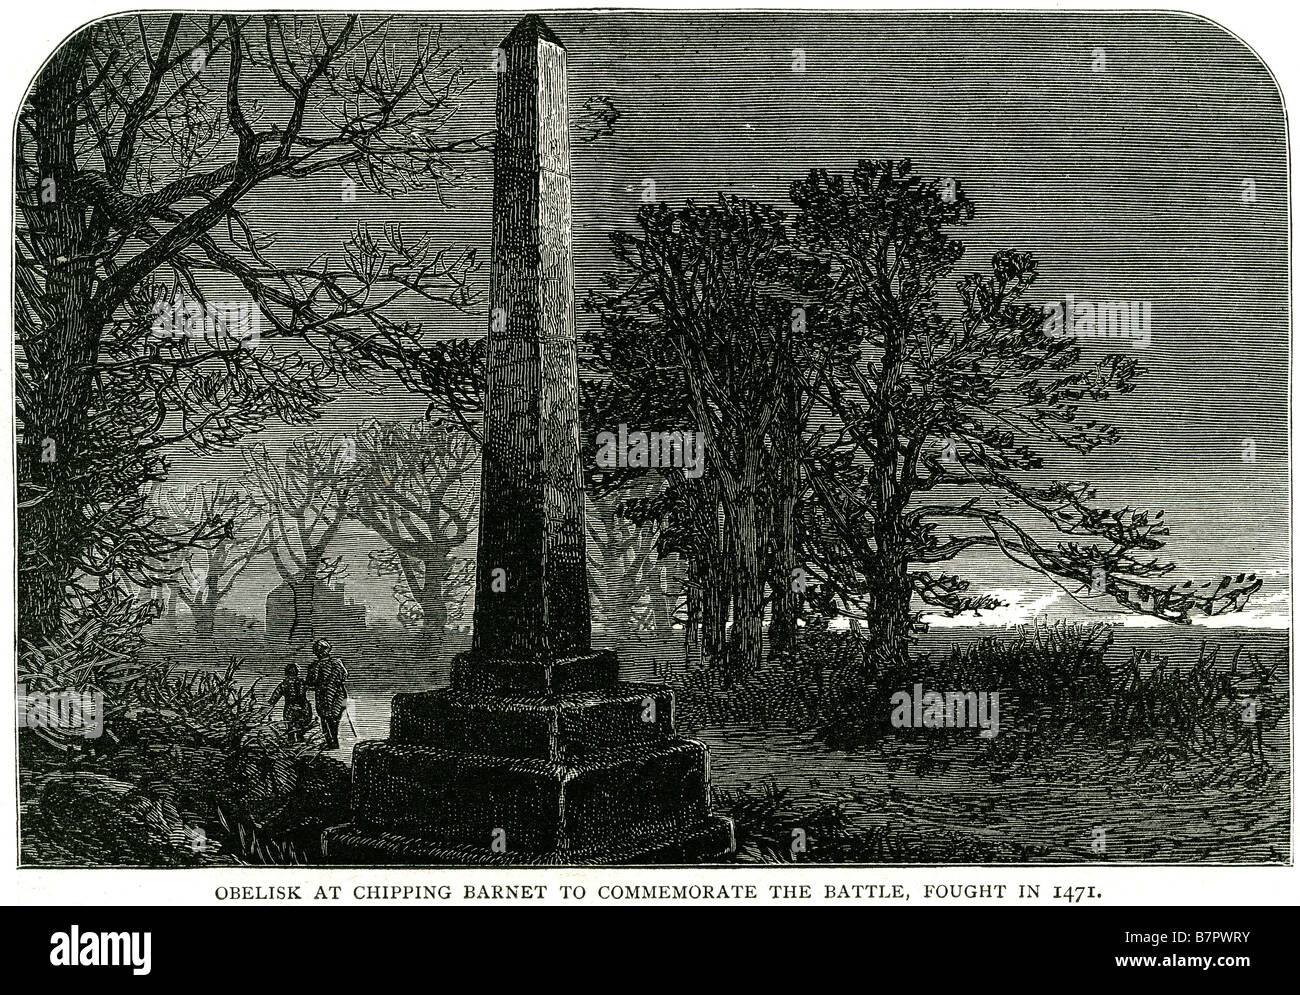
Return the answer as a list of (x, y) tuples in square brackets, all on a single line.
[(224, 325), (921, 709), (1080, 318), (77, 947), (72, 710), (683, 450)]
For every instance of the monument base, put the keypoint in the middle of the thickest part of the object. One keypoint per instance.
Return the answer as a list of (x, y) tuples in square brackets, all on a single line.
[(711, 841), (521, 763)]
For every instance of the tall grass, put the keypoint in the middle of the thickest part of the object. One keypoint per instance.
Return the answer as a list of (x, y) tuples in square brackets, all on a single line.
[(1056, 682), (768, 824)]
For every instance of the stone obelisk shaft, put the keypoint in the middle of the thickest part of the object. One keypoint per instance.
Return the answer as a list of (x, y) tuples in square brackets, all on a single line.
[(531, 597), (536, 753)]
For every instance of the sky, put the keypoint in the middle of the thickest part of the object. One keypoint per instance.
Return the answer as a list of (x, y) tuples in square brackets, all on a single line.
[(1140, 157)]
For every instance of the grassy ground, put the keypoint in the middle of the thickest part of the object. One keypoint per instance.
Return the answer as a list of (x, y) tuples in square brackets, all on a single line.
[(1132, 751), (1081, 805), (1130, 754)]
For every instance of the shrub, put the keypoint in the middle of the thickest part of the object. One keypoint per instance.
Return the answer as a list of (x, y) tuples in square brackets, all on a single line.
[(96, 651), (207, 774), (1055, 682)]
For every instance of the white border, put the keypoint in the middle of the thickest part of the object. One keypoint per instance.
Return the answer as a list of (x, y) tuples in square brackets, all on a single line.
[(33, 31)]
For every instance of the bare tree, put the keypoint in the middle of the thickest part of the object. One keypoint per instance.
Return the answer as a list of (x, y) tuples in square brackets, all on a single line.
[(305, 497), (415, 485), (206, 575), (146, 150)]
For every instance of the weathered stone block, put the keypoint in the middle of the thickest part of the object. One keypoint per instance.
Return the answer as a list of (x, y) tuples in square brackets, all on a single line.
[(541, 726), (707, 841), (533, 806), (480, 672)]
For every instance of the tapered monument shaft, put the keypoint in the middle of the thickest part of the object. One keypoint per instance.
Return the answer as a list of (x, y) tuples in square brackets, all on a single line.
[(531, 597), (536, 753)]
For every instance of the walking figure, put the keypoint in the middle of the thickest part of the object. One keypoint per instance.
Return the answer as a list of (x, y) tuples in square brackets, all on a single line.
[(329, 677), (297, 710)]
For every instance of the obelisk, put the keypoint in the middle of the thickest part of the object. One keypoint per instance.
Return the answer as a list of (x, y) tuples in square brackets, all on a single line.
[(536, 754), (531, 599)]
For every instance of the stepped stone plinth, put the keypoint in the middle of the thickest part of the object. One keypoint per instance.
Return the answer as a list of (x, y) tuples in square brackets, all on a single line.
[(536, 753), (581, 777)]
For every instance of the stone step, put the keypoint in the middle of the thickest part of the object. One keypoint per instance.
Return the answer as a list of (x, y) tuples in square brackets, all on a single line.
[(527, 805), (555, 727), (711, 840), (481, 672)]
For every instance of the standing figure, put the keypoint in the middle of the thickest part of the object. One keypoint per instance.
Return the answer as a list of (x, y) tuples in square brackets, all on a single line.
[(297, 710), (329, 677)]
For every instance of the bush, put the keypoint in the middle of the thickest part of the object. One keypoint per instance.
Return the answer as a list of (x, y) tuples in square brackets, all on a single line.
[(1049, 678), (1055, 683), (201, 774), (95, 652), (797, 690)]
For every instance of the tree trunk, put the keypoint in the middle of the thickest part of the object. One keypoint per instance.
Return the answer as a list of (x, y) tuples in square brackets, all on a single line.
[(889, 616), (786, 592), (205, 607), (694, 607), (302, 628), (204, 619), (664, 606), (434, 610), (715, 600), (745, 651), (433, 607), (61, 360)]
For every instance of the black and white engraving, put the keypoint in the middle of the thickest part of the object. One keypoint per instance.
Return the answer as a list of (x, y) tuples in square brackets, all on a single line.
[(680, 438)]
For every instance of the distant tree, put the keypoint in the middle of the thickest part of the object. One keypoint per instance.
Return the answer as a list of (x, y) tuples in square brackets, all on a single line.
[(631, 583), (415, 485), (146, 151), (944, 423), (305, 497), (206, 575)]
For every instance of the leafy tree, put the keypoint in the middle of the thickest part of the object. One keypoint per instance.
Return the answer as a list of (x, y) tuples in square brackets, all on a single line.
[(702, 328), (946, 421)]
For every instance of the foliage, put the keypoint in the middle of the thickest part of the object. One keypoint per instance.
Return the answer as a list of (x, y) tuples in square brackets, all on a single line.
[(94, 652), (1057, 684), (949, 415), (194, 771)]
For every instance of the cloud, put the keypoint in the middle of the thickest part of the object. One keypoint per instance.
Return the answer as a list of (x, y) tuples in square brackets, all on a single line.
[(1020, 607), (1270, 609)]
